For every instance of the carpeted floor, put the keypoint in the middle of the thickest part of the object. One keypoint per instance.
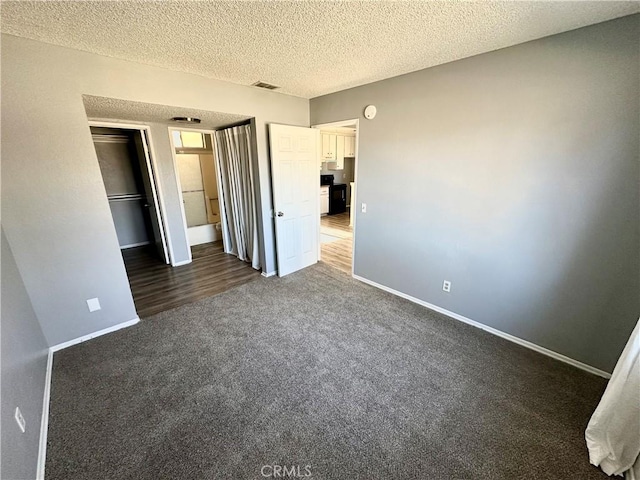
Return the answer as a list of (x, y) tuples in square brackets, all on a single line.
[(319, 370)]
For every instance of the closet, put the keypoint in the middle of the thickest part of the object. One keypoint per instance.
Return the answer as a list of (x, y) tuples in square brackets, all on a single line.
[(122, 159)]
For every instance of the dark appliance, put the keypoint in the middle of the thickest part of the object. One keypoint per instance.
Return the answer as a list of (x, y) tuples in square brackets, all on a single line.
[(337, 198), (326, 179)]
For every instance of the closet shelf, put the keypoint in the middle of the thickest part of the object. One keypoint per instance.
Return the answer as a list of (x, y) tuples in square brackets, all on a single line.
[(125, 197)]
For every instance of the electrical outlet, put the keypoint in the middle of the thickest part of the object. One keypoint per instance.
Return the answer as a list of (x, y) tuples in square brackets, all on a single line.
[(93, 304), (20, 420), (364, 208), (446, 286)]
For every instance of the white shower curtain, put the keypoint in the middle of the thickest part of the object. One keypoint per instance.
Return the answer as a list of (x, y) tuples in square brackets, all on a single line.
[(613, 433), (235, 158)]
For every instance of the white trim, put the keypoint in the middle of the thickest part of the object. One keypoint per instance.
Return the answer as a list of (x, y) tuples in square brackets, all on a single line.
[(108, 123), (183, 262), (44, 421), (133, 245), (486, 328), (99, 333), (269, 274)]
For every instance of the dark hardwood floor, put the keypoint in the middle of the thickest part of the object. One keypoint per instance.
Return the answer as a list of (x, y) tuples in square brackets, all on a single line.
[(157, 287), (337, 254)]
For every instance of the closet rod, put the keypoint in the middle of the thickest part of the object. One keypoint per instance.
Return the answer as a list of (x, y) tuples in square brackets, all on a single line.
[(125, 197)]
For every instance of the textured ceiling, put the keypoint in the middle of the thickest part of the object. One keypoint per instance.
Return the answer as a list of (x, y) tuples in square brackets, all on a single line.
[(308, 48), (114, 109)]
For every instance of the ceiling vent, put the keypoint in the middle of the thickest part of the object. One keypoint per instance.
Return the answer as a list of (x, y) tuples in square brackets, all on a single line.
[(267, 86), (186, 120)]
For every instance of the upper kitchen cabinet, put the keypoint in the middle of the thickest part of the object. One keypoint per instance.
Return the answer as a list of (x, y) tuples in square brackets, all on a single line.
[(336, 145), (337, 162), (328, 147), (349, 146), (339, 152)]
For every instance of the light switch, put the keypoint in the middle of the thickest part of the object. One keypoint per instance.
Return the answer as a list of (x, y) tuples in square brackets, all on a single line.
[(364, 208)]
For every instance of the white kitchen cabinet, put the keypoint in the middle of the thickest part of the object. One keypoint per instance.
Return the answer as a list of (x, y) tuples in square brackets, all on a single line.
[(324, 200), (337, 162), (335, 147), (340, 152), (328, 147), (349, 146)]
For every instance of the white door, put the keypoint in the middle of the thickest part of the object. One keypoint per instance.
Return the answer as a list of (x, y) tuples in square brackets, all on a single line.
[(151, 196), (295, 195)]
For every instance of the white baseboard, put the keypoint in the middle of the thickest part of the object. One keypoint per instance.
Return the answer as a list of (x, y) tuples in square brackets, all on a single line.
[(44, 424), (178, 264), (268, 274), (99, 333), (486, 328), (44, 421)]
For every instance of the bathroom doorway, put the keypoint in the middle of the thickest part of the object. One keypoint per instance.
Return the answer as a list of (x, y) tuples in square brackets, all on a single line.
[(198, 180)]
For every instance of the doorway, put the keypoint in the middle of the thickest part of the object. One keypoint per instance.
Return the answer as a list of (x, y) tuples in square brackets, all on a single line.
[(338, 162), (198, 175), (129, 179)]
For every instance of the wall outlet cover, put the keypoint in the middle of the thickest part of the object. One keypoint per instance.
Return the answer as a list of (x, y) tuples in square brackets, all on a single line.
[(446, 286), (20, 420), (93, 304)]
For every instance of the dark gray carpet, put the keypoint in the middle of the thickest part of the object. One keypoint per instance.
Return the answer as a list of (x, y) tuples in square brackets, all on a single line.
[(314, 369)]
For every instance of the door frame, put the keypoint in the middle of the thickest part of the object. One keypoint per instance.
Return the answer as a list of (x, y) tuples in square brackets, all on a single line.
[(345, 123), (221, 199), (152, 169)]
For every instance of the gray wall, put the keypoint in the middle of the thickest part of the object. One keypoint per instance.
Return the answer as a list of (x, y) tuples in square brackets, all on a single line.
[(168, 184), (54, 209), (514, 175), (23, 367), (129, 222)]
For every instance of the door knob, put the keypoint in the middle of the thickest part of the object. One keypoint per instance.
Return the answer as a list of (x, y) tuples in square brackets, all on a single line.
[(280, 214)]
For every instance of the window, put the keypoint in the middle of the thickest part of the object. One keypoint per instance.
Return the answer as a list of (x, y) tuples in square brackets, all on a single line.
[(183, 139)]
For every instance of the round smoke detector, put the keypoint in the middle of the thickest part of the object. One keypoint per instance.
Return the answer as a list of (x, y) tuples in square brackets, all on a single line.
[(370, 112)]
